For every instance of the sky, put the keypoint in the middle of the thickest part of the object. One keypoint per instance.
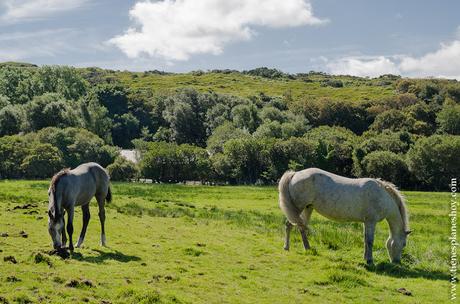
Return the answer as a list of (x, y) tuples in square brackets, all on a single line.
[(356, 37)]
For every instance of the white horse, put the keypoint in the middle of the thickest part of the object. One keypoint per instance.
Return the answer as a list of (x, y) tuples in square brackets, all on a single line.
[(365, 200), (71, 188)]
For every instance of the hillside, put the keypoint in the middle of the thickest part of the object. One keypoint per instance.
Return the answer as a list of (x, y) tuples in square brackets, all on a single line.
[(228, 126)]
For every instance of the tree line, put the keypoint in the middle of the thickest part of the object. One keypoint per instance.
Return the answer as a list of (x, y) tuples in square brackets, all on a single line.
[(56, 116)]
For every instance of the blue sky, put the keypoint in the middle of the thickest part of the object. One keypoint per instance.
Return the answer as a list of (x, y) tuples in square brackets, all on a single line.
[(364, 38)]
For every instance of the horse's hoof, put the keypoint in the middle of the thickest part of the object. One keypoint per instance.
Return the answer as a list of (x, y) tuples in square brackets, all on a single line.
[(286, 248)]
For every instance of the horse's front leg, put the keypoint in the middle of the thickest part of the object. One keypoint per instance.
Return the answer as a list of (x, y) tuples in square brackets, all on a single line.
[(288, 229), (86, 217), (369, 230), (70, 227), (63, 235)]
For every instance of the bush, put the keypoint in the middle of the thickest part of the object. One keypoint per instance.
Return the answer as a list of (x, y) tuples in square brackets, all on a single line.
[(168, 162), (78, 146), (434, 160), (42, 161), (398, 143), (334, 148), (248, 157), (448, 118), (13, 150), (11, 118), (122, 169), (388, 166)]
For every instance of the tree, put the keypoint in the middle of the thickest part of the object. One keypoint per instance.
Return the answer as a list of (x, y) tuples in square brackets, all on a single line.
[(64, 80), (122, 169), (434, 160), (269, 129), (334, 148), (11, 118), (50, 110), (78, 146), (185, 126), (222, 134), (42, 161), (168, 162), (448, 118), (249, 159), (245, 116), (13, 149), (398, 143), (95, 117), (125, 128), (388, 166), (113, 97)]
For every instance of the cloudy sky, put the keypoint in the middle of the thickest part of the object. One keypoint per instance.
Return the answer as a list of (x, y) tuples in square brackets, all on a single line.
[(358, 37)]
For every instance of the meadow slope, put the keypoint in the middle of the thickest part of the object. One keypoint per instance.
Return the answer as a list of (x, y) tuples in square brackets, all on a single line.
[(200, 244)]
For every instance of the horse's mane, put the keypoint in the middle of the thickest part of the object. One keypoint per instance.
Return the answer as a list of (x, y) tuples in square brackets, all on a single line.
[(399, 199), (56, 178)]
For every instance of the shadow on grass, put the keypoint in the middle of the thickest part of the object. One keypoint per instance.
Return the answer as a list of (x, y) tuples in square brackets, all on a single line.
[(103, 256), (403, 271)]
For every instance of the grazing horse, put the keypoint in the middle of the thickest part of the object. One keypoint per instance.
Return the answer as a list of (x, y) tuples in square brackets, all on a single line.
[(70, 188), (365, 200)]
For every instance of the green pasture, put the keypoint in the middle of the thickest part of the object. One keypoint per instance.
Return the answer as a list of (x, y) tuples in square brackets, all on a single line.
[(205, 244), (246, 85)]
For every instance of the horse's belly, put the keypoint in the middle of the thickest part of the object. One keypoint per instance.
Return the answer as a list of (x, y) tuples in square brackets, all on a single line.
[(339, 211)]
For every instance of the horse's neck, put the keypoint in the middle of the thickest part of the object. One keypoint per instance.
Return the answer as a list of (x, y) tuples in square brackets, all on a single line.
[(396, 225)]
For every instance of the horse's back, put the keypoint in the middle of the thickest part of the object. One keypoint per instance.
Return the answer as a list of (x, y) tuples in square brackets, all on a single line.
[(337, 197), (85, 181)]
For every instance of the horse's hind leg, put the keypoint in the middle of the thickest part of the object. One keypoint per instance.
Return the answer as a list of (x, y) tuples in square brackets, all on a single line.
[(86, 217), (101, 202), (288, 234), (369, 230), (306, 215), (303, 233)]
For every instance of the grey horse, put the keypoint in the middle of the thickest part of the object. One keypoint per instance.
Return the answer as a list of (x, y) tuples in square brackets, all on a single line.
[(71, 188), (365, 200)]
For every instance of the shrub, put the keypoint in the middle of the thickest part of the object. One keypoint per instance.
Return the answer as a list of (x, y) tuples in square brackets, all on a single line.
[(122, 169), (448, 118), (388, 166), (13, 150), (434, 160), (11, 118), (42, 161), (168, 162)]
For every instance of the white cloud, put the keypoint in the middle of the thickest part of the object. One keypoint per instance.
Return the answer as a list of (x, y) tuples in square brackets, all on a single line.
[(20, 10), (42, 43), (362, 66), (444, 62), (177, 29)]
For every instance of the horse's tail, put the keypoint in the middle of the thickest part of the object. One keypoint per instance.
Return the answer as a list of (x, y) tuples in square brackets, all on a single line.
[(398, 197), (286, 204), (108, 197)]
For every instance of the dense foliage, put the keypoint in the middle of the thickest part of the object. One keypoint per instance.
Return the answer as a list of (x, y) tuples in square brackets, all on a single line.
[(228, 126)]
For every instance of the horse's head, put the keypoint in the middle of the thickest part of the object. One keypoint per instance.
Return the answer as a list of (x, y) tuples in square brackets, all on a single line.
[(395, 246), (55, 221)]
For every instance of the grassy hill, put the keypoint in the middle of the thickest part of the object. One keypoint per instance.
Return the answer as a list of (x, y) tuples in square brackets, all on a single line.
[(244, 85), (198, 244)]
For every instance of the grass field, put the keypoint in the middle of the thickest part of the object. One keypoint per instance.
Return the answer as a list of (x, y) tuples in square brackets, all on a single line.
[(200, 244), (246, 85)]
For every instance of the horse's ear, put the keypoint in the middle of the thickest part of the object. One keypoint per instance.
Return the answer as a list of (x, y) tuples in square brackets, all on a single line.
[(408, 232)]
